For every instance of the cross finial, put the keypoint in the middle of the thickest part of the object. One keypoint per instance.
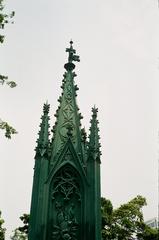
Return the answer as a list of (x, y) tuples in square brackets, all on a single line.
[(72, 57)]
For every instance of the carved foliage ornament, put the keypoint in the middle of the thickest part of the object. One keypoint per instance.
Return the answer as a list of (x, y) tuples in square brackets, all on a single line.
[(66, 225)]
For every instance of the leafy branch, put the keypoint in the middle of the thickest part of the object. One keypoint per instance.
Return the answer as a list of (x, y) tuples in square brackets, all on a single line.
[(2, 229), (9, 130), (4, 19), (4, 80)]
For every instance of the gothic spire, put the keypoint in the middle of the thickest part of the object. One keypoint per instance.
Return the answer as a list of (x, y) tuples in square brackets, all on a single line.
[(94, 144), (67, 114), (43, 140)]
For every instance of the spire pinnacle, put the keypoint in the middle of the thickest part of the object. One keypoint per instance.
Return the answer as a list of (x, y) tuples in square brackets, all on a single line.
[(94, 144), (46, 108), (68, 117), (94, 111), (43, 140), (71, 57)]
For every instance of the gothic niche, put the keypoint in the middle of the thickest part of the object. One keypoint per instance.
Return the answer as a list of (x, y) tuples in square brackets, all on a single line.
[(66, 204)]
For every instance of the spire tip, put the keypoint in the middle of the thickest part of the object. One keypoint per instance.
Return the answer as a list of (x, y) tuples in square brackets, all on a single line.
[(46, 108), (71, 42)]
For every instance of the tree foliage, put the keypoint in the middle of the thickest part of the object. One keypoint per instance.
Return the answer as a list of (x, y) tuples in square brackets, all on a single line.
[(2, 229), (25, 219), (5, 19), (21, 233), (9, 130), (18, 235), (126, 221), (148, 233)]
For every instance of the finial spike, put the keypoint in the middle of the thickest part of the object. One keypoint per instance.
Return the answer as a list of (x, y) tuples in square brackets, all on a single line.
[(71, 42)]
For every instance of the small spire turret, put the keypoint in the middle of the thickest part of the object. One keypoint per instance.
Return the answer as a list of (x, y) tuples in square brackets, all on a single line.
[(43, 140), (94, 144)]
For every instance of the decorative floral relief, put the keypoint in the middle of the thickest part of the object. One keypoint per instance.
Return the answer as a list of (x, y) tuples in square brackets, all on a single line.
[(68, 112), (63, 133), (69, 91), (68, 156), (66, 225)]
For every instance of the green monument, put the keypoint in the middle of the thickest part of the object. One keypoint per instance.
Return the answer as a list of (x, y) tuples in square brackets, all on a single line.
[(66, 186)]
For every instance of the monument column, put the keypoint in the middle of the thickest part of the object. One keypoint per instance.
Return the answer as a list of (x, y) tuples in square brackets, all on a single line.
[(66, 186)]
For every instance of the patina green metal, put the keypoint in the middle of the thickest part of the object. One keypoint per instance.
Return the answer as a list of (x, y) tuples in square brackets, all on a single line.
[(66, 186)]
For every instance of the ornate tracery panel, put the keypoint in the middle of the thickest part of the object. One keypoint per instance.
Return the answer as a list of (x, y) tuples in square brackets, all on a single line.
[(66, 204)]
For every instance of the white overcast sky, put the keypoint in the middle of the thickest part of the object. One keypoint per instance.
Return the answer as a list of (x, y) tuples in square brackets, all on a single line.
[(118, 43)]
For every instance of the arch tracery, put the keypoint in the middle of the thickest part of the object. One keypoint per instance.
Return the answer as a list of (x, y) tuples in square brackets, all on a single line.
[(66, 204)]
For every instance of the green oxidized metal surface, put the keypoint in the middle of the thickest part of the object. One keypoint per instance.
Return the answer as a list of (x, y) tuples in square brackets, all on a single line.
[(66, 186)]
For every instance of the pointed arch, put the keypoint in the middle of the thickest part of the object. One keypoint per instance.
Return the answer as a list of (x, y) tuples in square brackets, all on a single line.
[(68, 155), (65, 204)]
